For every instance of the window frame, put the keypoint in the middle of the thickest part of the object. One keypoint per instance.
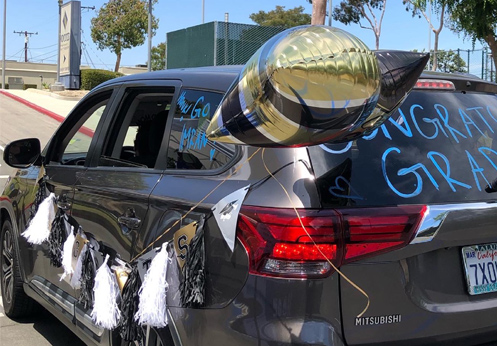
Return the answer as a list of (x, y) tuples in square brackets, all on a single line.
[(58, 143), (110, 123)]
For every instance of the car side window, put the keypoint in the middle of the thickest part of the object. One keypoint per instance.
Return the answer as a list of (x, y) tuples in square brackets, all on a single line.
[(189, 147), (136, 134), (74, 143)]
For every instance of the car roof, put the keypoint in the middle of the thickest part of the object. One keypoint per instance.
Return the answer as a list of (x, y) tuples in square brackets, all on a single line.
[(212, 77), (221, 77)]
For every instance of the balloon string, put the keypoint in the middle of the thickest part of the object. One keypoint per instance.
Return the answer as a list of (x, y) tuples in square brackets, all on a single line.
[(315, 244), (195, 206)]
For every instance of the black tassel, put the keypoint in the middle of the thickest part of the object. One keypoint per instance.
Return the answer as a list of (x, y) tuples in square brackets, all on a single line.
[(57, 237), (40, 195), (87, 280), (129, 330), (193, 285)]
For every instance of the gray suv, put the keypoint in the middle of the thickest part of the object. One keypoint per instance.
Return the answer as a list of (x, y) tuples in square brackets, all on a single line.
[(406, 215)]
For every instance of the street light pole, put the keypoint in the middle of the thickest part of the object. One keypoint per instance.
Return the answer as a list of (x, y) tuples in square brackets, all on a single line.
[(149, 35), (330, 5), (4, 29), (203, 11)]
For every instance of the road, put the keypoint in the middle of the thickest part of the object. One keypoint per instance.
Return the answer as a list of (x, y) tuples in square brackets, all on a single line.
[(18, 121)]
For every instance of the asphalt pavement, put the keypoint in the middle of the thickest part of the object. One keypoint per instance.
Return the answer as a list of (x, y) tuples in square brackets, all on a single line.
[(31, 115)]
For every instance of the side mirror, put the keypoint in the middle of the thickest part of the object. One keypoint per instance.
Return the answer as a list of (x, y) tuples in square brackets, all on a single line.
[(22, 153)]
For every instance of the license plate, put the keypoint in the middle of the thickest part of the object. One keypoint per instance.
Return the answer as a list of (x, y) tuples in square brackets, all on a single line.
[(480, 264)]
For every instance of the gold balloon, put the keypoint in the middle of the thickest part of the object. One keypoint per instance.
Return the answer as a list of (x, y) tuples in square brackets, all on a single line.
[(307, 85)]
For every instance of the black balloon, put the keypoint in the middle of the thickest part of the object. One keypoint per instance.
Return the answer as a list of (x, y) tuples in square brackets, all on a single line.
[(400, 71)]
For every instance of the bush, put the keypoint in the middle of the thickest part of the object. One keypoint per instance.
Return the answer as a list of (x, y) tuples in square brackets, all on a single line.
[(91, 78), (30, 86)]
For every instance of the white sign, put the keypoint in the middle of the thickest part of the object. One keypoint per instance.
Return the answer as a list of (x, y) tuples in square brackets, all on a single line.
[(65, 38), (226, 214)]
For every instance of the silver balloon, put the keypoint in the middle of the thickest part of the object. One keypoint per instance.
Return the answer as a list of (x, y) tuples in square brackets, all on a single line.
[(307, 85)]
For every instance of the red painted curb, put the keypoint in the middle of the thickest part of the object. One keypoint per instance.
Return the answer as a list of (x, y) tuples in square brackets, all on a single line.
[(37, 108), (59, 118)]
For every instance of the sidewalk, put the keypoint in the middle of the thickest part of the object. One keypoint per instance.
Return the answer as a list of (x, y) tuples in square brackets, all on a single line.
[(51, 104)]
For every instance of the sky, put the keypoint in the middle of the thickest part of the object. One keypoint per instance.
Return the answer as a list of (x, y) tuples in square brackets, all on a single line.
[(399, 29)]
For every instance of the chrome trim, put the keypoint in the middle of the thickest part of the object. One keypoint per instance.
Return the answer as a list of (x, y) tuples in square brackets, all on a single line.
[(470, 306), (64, 304), (173, 329), (436, 215), (88, 323)]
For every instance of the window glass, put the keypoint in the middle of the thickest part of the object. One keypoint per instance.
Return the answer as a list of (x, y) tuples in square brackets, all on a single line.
[(76, 144), (189, 147), (438, 148), (136, 136)]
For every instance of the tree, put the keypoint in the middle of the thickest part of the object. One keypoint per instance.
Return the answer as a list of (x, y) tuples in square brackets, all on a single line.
[(281, 17), (477, 19), (418, 7), (159, 57), (353, 11), (318, 12), (121, 24), (447, 61)]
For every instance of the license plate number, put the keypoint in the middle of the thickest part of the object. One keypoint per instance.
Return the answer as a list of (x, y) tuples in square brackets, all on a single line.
[(480, 264)]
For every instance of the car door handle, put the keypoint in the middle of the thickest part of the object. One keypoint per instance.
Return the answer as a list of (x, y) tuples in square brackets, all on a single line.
[(130, 222)]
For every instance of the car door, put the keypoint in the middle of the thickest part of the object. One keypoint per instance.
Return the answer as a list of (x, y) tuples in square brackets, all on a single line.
[(111, 198), (65, 159)]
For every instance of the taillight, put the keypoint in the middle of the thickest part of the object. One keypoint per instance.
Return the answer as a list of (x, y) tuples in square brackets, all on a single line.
[(278, 245), (434, 84)]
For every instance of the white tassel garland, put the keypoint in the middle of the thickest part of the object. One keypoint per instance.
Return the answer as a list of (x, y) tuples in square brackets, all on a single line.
[(67, 255), (152, 306), (105, 311), (38, 230)]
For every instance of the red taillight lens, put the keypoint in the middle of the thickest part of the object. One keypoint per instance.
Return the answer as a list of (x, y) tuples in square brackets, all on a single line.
[(278, 245), (434, 84), (371, 231)]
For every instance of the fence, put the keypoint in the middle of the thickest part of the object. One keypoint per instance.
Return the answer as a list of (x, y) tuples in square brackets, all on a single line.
[(478, 62), (216, 43)]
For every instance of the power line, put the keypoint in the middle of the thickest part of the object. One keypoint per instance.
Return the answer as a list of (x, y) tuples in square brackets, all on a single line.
[(53, 45), (27, 35)]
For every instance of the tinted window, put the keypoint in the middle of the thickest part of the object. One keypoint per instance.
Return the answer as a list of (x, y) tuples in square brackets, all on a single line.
[(189, 147), (136, 135), (438, 148), (77, 134)]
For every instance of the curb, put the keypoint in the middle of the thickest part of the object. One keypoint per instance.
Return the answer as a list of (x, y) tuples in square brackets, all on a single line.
[(37, 108), (54, 95), (42, 110)]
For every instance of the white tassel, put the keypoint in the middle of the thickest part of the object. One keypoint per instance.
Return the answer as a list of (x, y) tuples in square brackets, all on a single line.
[(76, 276), (105, 311), (152, 306), (38, 230), (67, 255)]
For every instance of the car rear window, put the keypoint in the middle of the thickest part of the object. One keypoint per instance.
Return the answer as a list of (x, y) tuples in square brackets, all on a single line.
[(438, 148)]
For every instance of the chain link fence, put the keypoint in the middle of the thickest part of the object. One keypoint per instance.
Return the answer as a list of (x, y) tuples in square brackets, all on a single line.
[(216, 43), (478, 62)]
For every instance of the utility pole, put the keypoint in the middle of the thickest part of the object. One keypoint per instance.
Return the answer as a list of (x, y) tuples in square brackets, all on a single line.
[(149, 67), (4, 28), (26, 40)]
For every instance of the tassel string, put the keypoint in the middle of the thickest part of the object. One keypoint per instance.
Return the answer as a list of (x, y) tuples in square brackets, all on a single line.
[(194, 207), (129, 329)]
